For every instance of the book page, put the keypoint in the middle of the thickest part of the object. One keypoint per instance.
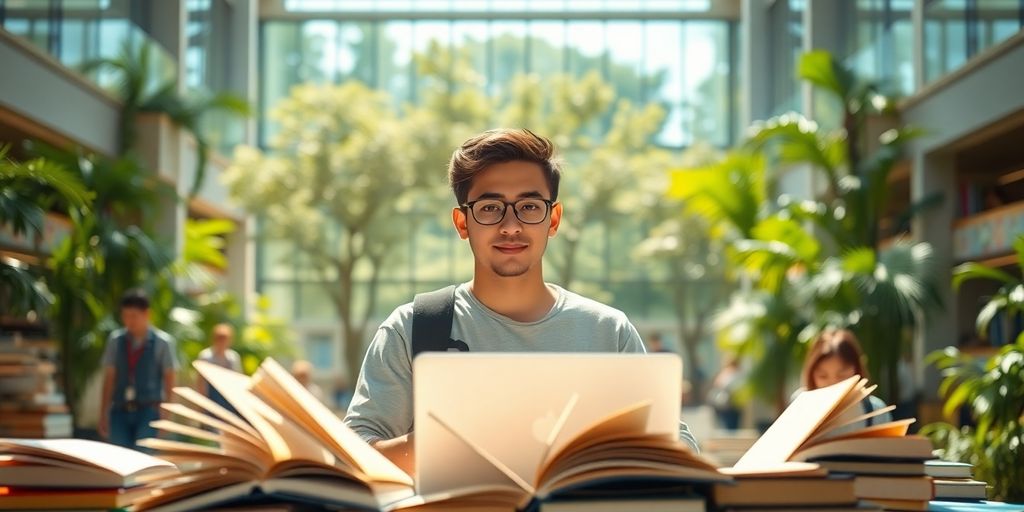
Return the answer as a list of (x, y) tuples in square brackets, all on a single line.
[(786, 469), (203, 403), (211, 422), (896, 428), (277, 386), (629, 421), (837, 430), (115, 459), (851, 407), (481, 451), (285, 440), (796, 424)]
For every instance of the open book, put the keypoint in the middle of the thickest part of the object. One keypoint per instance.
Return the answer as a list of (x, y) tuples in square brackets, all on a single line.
[(822, 424), (78, 473), (613, 451), (282, 445)]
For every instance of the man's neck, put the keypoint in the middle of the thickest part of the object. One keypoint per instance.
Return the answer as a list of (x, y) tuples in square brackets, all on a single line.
[(139, 336), (523, 299)]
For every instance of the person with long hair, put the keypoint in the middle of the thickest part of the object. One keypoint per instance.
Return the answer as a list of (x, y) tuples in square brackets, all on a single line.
[(836, 356)]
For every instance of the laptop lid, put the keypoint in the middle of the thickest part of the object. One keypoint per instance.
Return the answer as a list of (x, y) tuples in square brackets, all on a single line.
[(509, 403)]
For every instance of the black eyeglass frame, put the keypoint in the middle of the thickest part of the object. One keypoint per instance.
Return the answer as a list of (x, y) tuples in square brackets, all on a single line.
[(547, 202)]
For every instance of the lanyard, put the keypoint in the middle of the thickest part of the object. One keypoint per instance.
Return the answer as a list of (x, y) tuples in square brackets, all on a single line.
[(133, 356)]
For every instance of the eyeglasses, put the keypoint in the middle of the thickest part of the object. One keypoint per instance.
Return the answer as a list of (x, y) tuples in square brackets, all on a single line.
[(491, 211)]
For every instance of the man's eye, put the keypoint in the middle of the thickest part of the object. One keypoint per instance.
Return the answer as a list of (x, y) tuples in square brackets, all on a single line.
[(489, 208), (528, 207)]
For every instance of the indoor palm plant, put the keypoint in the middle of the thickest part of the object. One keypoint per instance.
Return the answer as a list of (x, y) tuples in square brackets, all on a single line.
[(992, 389)]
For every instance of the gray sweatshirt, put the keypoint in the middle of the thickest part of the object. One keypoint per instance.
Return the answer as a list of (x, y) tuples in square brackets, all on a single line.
[(381, 407)]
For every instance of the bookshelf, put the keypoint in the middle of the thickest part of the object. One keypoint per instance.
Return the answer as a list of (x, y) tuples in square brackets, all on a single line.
[(989, 211)]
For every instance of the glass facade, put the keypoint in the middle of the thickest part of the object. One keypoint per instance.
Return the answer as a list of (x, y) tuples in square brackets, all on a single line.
[(956, 30), (880, 43), (690, 74), (78, 31)]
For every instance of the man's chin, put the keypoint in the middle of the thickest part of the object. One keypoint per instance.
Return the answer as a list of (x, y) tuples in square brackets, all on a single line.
[(510, 270)]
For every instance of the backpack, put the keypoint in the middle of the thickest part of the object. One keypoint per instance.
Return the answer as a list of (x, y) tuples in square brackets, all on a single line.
[(432, 317)]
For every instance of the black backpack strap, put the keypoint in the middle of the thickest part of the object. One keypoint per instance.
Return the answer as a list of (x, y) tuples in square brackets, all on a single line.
[(432, 317)]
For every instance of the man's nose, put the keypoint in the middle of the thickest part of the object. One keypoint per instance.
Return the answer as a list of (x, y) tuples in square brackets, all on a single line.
[(510, 223)]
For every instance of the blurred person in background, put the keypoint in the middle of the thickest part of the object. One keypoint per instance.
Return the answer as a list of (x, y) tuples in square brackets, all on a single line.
[(138, 374), (220, 353), (836, 356), (302, 370)]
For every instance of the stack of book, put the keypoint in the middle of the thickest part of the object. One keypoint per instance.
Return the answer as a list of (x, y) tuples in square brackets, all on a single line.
[(73, 474), (30, 405), (881, 464), (954, 481)]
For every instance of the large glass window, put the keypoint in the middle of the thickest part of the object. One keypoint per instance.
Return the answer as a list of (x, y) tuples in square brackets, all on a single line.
[(880, 46), (956, 30), (684, 65)]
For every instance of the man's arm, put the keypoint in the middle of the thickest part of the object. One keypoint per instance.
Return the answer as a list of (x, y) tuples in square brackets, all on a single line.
[(103, 426), (109, 376), (168, 383), (400, 450), (381, 407)]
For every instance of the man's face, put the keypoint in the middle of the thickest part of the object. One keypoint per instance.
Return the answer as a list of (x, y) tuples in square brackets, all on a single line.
[(511, 247), (222, 337), (134, 319)]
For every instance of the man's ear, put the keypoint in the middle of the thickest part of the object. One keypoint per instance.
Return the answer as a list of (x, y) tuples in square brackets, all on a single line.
[(459, 220), (556, 219)]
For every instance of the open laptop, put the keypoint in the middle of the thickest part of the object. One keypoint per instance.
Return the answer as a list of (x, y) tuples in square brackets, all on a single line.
[(509, 403)]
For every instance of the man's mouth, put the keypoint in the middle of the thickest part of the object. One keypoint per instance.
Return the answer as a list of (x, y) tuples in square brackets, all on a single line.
[(509, 248)]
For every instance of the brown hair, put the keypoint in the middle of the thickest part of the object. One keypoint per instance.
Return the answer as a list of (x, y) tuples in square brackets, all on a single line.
[(840, 343), (500, 146)]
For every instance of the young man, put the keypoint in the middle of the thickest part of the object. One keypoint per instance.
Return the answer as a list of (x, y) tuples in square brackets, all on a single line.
[(220, 353), (139, 364), (506, 185)]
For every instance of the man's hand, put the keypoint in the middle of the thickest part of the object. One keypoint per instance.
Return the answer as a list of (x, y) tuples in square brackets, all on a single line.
[(400, 451)]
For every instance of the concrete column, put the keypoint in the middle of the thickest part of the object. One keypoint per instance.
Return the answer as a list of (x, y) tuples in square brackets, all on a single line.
[(243, 75), (164, 21), (241, 256), (936, 173), (243, 79), (755, 60)]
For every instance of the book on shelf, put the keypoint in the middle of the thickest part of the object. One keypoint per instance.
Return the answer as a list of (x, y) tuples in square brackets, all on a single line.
[(78, 473), (284, 445), (820, 424), (30, 406)]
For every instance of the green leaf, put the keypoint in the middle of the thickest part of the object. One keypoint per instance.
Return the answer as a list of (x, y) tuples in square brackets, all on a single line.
[(987, 313), (971, 270), (819, 68), (859, 260)]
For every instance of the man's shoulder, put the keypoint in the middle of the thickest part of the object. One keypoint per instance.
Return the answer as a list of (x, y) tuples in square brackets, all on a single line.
[(205, 354), (580, 304), (116, 334), (162, 336)]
